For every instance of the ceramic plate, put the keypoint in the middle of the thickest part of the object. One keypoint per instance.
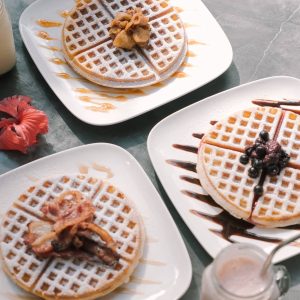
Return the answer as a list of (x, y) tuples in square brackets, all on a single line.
[(165, 269), (210, 54), (183, 128)]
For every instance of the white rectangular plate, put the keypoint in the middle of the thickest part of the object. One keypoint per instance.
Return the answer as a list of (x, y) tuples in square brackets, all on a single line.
[(179, 128), (210, 54), (165, 269)]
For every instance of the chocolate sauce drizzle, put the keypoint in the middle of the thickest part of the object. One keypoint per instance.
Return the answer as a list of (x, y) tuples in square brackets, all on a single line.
[(203, 198), (231, 226), (198, 135), (190, 179), (187, 148), (275, 103), (189, 166)]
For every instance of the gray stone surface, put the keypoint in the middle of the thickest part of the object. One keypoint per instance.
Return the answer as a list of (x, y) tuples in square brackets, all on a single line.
[(265, 36)]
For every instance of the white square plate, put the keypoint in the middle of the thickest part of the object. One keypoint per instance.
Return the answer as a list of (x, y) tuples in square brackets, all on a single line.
[(165, 269), (179, 129), (210, 54)]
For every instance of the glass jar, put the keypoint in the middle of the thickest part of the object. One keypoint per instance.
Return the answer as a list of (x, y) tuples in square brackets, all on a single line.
[(7, 45), (235, 275)]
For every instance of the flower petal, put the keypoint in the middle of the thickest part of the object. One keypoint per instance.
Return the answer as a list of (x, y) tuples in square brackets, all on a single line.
[(31, 123), (11, 105), (20, 131)]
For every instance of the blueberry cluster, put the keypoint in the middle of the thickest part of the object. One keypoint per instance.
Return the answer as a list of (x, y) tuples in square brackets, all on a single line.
[(265, 155)]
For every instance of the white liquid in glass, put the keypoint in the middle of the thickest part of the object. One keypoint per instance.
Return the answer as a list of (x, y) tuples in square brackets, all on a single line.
[(7, 46)]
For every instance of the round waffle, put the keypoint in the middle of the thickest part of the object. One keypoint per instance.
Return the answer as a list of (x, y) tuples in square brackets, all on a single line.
[(226, 179), (89, 50), (57, 278)]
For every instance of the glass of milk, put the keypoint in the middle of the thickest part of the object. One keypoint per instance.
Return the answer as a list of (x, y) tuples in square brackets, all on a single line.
[(7, 45), (235, 275)]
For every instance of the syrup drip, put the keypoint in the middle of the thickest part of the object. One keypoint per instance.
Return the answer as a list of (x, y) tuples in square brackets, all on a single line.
[(157, 85), (57, 61), (44, 35), (192, 42), (186, 148), (189, 166), (186, 64), (232, 226), (103, 107), (203, 198), (179, 74), (191, 54), (51, 48), (198, 135), (47, 23), (213, 122), (103, 96), (190, 180), (110, 91), (64, 13), (68, 76), (152, 262)]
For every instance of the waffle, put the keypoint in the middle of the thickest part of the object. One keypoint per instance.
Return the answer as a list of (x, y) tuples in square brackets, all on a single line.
[(57, 278), (289, 137), (89, 49), (242, 128), (280, 203), (227, 180)]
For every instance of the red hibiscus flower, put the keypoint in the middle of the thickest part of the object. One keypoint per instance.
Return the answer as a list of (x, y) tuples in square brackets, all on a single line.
[(23, 123)]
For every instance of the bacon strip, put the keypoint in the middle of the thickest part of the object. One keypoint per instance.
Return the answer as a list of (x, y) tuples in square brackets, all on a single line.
[(70, 231)]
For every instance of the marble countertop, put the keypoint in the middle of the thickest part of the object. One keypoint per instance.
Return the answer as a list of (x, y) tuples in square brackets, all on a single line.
[(265, 36)]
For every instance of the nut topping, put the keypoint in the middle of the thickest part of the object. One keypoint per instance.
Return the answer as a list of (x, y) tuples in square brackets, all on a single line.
[(129, 29)]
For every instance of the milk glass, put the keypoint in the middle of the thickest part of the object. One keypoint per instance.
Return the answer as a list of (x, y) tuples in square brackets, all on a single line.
[(235, 275), (7, 46)]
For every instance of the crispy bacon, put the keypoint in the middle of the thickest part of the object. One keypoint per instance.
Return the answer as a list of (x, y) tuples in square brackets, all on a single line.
[(70, 233)]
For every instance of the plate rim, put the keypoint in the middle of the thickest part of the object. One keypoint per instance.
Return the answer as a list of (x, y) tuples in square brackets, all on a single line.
[(30, 48), (186, 280), (207, 99)]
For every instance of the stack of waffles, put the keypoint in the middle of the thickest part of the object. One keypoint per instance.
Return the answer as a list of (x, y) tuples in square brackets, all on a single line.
[(226, 179), (88, 48), (57, 278)]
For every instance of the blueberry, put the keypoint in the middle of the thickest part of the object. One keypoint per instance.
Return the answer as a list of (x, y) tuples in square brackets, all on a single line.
[(264, 135), (249, 150), (244, 159), (253, 172), (257, 163), (260, 152), (273, 170), (258, 190)]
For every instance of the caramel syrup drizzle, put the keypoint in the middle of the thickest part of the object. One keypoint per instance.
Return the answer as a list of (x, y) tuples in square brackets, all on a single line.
[(110, 91), (64, 13), (179, 74), (45, 36), (57, 61), (64, 75), (103, 96), (48, 23), (103, 107), (195, 42), (51, 48)]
